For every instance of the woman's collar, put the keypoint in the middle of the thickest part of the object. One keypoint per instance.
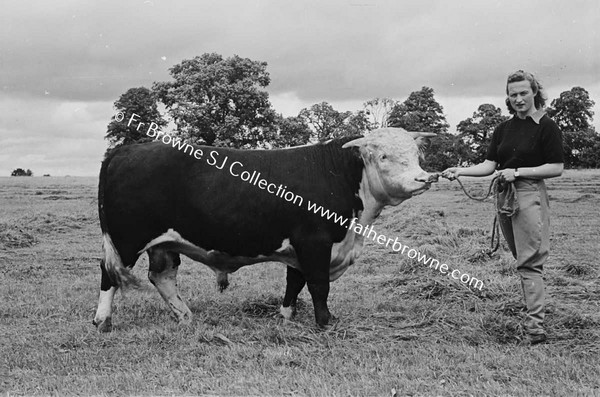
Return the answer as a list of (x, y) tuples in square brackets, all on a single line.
[(535, 116)]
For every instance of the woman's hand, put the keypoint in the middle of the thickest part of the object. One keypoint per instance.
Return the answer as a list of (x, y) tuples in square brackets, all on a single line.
[(451, 173), (507, 175)]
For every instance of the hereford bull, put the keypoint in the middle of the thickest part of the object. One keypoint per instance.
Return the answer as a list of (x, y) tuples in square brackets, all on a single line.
[(230, 208)]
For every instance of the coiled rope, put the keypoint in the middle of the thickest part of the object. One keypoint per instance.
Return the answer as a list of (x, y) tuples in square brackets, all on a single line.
[(505, 202)]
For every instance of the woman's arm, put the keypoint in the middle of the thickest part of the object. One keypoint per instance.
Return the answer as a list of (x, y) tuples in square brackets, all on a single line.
[(548, 170), (542, 171), (482, 169)]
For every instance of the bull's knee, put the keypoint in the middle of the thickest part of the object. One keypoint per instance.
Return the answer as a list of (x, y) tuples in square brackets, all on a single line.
[(153, 277), (161, 260)]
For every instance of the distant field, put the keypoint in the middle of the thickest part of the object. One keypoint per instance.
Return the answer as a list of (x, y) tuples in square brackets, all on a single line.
[(403, 326)]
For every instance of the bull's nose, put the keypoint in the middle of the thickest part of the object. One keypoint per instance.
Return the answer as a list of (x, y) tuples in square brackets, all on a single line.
[(427, 178)]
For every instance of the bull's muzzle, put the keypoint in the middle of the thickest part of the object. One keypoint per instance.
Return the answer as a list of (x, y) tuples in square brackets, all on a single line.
[(427, 178)]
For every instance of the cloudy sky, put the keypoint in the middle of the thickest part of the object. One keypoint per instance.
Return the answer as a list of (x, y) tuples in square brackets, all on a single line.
[(64, 63)]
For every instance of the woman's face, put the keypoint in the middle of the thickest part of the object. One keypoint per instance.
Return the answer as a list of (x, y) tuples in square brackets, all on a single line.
[(521, 98)]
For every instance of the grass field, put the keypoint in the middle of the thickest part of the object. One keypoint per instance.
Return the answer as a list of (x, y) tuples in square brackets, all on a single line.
[(404, 328)]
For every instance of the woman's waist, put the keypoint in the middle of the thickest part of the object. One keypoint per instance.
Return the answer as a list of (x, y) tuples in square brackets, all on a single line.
[(524, 183)]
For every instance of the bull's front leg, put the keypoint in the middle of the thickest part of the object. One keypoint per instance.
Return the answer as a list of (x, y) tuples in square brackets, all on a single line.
[(319, 291), (314, 257)]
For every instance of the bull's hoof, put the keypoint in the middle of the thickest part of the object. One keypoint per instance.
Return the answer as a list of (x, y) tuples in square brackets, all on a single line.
[(222, 281), (287, 312), (185, 321), (223, 286), (104, 325), (329, 324)]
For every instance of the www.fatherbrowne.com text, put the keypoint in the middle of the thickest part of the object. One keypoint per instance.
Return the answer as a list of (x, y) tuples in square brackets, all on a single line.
[(253, 177)]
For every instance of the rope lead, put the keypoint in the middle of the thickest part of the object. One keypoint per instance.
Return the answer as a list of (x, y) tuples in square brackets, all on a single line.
[(505, 203)]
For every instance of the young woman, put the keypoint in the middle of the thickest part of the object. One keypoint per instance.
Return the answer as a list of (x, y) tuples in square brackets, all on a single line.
[(525, 150)]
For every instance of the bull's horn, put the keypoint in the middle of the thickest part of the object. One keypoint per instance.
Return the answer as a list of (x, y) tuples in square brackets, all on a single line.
[(419, 134), (355, 142)]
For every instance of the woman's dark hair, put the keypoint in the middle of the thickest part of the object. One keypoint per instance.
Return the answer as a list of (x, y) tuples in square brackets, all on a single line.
[(540, 94)]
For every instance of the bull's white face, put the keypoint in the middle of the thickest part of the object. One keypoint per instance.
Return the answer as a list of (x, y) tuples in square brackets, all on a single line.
[(391, 157)]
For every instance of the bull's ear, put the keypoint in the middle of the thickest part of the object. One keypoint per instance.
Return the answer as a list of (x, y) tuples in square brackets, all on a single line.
[(355, 142)]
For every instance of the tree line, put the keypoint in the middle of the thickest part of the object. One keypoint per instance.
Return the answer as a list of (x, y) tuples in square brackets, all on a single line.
[(21, 172), (219, 101)]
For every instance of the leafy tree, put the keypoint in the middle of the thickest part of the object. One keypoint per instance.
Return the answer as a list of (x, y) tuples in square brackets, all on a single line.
[(572, 111), (477, 131), (328, 123), (581, 149), (140, 101), (219, 102), (419, 112), (378, 110), (355, 123), (21, 172), (291, 131), (323, 119), (590, 156), (445, 150)]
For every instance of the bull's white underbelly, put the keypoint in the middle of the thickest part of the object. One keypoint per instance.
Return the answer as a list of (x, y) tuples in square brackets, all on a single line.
[(342, 254)]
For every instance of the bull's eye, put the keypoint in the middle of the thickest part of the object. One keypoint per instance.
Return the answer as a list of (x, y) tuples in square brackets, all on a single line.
[(382, 157)]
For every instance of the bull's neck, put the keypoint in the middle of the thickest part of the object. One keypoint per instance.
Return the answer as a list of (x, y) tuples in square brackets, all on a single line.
[(371, 207), (348, 163), (344, 253)]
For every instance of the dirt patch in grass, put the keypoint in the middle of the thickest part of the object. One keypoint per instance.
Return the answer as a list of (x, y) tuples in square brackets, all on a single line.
[(265, 307), (14, 237), (27, 230), (583, 197), (51, 192), (579, 268), (502, 329), (55, 197)]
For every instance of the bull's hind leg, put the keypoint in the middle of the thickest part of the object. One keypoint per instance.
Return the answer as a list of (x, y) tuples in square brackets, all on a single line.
[(103, 318), (163, 274), (294, 284)]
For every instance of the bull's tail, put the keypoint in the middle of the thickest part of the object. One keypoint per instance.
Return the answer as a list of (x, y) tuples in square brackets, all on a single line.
[(119, 275), (112, 264)]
